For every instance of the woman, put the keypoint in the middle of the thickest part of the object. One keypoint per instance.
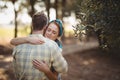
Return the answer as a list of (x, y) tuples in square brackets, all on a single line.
[(53, 31)]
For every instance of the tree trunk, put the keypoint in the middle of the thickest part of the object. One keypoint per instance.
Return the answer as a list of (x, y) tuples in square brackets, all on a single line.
[(48, 8), (15, 20), (56, 8), (32, 3)]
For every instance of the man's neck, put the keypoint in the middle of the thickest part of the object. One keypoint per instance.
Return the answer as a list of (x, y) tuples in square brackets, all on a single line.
[(37, 32)]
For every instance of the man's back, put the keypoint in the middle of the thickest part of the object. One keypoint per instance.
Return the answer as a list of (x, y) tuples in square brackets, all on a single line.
[(25, 53)]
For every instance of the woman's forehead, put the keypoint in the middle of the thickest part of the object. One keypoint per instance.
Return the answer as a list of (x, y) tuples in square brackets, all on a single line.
[(53, 26)]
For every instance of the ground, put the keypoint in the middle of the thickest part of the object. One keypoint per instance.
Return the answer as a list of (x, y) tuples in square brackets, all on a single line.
[(90, 64)]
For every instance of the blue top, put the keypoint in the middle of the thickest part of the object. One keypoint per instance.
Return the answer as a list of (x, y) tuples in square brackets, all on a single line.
[(59, 43)]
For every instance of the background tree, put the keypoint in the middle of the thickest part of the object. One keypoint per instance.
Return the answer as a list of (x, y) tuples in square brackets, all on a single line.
[(104, 15), (15, 20), (18, 7)]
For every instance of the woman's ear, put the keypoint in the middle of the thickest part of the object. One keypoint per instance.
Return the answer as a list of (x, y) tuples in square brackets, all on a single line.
[(45, 27)]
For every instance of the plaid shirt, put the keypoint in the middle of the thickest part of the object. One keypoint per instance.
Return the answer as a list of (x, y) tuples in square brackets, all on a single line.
[(24, 54)]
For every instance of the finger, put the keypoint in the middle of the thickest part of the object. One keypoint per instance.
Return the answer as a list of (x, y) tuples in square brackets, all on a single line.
[(36, 62), (41, 41), (35, 65), (44, 62)]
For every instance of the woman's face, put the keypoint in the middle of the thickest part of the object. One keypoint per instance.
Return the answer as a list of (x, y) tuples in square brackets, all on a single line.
[(52, 31)]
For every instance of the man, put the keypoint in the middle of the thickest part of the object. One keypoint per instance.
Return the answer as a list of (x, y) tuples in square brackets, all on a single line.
[(48, 52)]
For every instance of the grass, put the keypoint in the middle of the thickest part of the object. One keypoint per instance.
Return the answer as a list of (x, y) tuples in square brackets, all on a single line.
[(6, 34)]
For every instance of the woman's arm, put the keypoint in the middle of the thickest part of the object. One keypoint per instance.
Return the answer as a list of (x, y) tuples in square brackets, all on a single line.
[(42, 66), (17, 41), (22, 40)]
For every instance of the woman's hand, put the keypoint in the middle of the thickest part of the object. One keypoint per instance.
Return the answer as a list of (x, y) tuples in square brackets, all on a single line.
[(35, 40), (41, 66)]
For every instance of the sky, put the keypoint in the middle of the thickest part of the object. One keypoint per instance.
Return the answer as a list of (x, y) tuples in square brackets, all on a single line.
[(7, 15)]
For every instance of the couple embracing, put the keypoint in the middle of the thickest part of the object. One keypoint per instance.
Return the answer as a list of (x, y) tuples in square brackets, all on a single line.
[(38, 56)]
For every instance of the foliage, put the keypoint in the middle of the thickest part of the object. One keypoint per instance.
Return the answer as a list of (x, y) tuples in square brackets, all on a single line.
[(79, 31), (104, 15)]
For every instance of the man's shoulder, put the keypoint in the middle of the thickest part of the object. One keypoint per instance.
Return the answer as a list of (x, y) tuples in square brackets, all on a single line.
[(49, 41), (21, 46), (52, 44)]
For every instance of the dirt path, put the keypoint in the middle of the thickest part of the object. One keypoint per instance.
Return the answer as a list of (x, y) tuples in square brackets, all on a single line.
[(92, 65)]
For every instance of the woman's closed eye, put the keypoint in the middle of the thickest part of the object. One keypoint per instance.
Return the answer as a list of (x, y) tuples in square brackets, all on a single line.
[(48, 29)]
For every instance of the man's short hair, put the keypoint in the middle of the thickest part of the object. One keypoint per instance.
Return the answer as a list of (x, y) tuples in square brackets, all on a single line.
[(39, 20)]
